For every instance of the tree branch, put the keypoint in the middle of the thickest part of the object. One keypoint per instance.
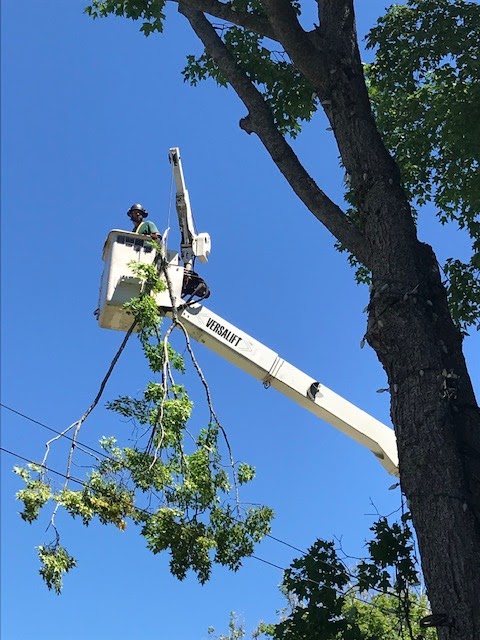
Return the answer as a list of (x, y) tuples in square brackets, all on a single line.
[(331, 62), (306, 49), (260, 121), (256, 23)]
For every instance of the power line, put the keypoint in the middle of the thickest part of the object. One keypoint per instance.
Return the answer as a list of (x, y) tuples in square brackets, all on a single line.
[(272, 564), (49, 469), (82, 483), (140, 510), (64, 435), (59, 433), (287, 544)]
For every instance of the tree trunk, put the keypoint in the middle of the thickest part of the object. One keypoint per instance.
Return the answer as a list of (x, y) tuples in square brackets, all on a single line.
[(433, 406), (437, 423)]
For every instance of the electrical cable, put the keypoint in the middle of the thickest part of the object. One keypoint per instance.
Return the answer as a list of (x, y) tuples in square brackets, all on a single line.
[(106, 457), (49, 469), (272, 564), (140, 510), (59, 433), (286, 544)]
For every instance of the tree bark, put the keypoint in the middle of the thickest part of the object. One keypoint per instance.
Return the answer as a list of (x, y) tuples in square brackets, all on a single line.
[(433, 406), (437, 424)]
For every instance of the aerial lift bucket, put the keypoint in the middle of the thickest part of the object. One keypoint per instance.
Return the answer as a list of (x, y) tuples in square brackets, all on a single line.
[(120, 284)]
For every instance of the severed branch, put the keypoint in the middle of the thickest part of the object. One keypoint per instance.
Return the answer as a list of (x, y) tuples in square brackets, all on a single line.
[(213, 414), (176, 323), (260, 121), (166, 378), (77, 426)]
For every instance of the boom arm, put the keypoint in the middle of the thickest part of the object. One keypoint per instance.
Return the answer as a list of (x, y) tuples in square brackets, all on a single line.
[(192, 245), (120, 284), (264, 364)]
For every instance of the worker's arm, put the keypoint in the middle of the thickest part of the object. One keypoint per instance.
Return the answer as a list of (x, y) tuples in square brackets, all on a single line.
[(153, 231)]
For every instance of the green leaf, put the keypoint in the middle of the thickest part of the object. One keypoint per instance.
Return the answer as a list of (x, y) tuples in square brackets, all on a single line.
[(55, 563), (425, 93)]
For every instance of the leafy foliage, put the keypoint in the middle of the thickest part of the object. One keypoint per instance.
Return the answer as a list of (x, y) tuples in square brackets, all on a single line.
[(246, 473), (382, 617), (291, 99), (36, 493), (425, 92), (236, 630), (392, 547), (327, 601), (150, 11), (173, 484), (317, 581), (55, 562)]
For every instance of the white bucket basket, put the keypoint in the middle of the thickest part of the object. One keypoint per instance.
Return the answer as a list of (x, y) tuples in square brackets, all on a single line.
[(120, 284)]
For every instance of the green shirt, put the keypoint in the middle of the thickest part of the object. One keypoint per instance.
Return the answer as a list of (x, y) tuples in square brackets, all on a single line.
[(146, 228)]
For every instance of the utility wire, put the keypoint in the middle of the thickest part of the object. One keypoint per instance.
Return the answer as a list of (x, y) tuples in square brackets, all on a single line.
[(100, 453), (272, 564), (59, 433), (49, 469), (106, 457), (286, 544), (139, 509)]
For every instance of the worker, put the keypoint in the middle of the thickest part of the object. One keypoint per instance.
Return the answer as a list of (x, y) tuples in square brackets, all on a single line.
[(137, 214)]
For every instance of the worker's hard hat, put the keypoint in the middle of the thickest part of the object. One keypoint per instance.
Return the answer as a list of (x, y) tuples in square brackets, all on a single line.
[(138, 207)]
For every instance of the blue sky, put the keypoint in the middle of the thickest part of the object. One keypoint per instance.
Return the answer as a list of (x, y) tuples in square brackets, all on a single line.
[(89, 111)]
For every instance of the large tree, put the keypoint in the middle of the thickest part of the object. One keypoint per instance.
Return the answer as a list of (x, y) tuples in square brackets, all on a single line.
[(399, 146)]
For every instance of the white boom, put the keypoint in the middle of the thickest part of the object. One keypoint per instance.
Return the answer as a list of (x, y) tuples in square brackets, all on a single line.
[(262, 363), (119, 284), (193, 244)]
